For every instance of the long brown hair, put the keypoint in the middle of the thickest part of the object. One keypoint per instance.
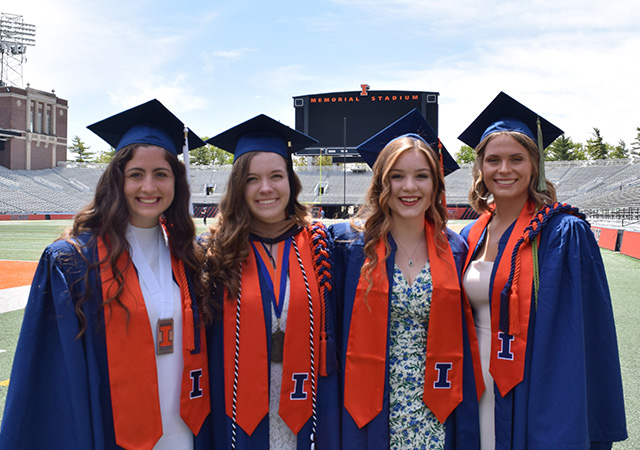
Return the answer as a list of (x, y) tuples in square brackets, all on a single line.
[(376, 213), (228, 240), (105, 216), (479, 193)]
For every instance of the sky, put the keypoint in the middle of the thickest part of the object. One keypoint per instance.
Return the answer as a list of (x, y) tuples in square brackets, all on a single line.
[(217, 63)]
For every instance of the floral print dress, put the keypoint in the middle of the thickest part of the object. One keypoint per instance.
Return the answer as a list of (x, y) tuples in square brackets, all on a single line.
[(412, 425)]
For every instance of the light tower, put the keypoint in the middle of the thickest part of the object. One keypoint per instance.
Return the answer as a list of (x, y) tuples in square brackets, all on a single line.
[(15, 37)]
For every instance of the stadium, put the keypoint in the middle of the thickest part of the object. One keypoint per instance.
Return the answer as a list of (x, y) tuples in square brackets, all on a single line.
[(51, 190)]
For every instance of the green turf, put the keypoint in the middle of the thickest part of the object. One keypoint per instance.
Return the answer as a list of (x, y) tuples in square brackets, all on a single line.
[(25, 241), (9, 328), (623, 273)]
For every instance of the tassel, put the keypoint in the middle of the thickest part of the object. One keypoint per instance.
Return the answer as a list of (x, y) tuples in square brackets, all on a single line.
[(542, 178), (323, 353), (188, 334), (514, 311)]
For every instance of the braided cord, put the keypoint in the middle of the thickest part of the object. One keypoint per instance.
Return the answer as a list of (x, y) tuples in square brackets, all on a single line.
[(236, 363), (311, 346)]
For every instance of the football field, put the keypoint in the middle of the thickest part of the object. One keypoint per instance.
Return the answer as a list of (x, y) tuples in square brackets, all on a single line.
[(22, 242)]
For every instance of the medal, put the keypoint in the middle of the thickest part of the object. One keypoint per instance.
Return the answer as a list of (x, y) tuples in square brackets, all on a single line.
[(277, 346), (165, 336)]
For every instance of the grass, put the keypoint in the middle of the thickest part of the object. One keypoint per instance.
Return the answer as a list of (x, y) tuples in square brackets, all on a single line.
[(24, 241)]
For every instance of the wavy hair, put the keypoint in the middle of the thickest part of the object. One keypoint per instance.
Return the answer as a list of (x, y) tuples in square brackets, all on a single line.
[(375, 212), (227, 244), (104, 218), (479, 195)]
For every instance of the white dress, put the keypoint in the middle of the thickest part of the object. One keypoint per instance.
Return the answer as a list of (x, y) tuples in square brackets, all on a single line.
[(476, 284)]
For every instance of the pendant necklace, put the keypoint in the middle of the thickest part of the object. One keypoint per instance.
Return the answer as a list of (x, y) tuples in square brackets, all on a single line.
[(410, 258)]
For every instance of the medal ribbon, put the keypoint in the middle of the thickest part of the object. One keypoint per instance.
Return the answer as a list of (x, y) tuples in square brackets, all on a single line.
[(132, 360), (367, 345), (276, 279)]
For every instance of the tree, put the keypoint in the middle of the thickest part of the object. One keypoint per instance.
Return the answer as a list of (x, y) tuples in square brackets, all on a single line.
[(620, 151), (81, 150), (596, 147), (562, 149), (209, 155), (106, 157), (465, 155), (299, 161), (635, 145), (323, 160)]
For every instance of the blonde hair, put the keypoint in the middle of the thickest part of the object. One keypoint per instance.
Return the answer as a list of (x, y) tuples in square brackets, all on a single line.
[(479, 195)]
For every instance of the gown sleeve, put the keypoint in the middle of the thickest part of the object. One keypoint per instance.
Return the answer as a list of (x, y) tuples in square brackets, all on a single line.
[(49, 398), (575, 386)]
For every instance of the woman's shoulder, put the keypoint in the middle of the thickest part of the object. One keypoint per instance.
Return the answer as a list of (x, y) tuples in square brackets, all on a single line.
[(344, 233), (457, 243), (563, 221)]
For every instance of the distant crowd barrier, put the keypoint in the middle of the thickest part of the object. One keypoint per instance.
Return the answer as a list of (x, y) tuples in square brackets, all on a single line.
[(623, 241), (35, 216)]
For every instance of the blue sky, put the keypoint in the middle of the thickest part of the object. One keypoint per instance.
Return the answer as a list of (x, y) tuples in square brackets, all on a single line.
[(218, 63)]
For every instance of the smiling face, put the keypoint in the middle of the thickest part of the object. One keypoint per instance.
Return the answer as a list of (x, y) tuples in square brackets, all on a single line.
[(149, 185), (267, 190), (411, 183), (507, 169)]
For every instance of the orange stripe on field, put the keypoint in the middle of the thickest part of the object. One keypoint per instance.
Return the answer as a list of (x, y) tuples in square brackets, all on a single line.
[(16, 273)]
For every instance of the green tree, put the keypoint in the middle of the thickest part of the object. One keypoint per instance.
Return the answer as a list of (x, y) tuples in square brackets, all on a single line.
[(465, 155), (562, 149), (299, 161), (209, 155), (106, 157), (323, 160), (596, 146), (81, 150), (619, 151), (635, 145)]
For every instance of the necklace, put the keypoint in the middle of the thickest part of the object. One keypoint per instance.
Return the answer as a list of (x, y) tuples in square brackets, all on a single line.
[(410, 258)]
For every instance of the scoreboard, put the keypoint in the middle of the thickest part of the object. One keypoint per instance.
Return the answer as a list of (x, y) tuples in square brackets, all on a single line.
[(341, 121)]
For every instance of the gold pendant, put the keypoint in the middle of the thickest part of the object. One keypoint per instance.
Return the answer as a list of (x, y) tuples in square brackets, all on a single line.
[(165, 336), (277, 346)]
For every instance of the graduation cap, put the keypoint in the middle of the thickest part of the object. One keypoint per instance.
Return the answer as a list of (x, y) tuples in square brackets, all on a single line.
[(262, 134), (507, 114), (150, 123), (412, 124)]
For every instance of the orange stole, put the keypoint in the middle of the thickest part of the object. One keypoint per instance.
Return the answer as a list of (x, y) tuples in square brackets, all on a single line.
[(253, 365), (507, 373), (132, 361), (367, 346)]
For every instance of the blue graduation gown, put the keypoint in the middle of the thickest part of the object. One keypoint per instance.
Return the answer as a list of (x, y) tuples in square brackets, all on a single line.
[(328, 423), (571, 394), (349, 259), (59, 395)]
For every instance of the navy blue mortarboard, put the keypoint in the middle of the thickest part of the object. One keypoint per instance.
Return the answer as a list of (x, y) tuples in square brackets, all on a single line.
[(262, 134), (412, 124), (150, 123), (505, 113)]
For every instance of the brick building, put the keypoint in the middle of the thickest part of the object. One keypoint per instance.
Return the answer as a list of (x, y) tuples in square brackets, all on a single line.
[(33, 128)]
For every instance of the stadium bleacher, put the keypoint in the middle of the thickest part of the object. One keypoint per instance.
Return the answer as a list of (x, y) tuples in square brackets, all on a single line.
[(604, 187)]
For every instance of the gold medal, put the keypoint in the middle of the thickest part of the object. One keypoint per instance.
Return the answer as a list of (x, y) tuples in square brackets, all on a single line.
[(165, 336), (277, 346)]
